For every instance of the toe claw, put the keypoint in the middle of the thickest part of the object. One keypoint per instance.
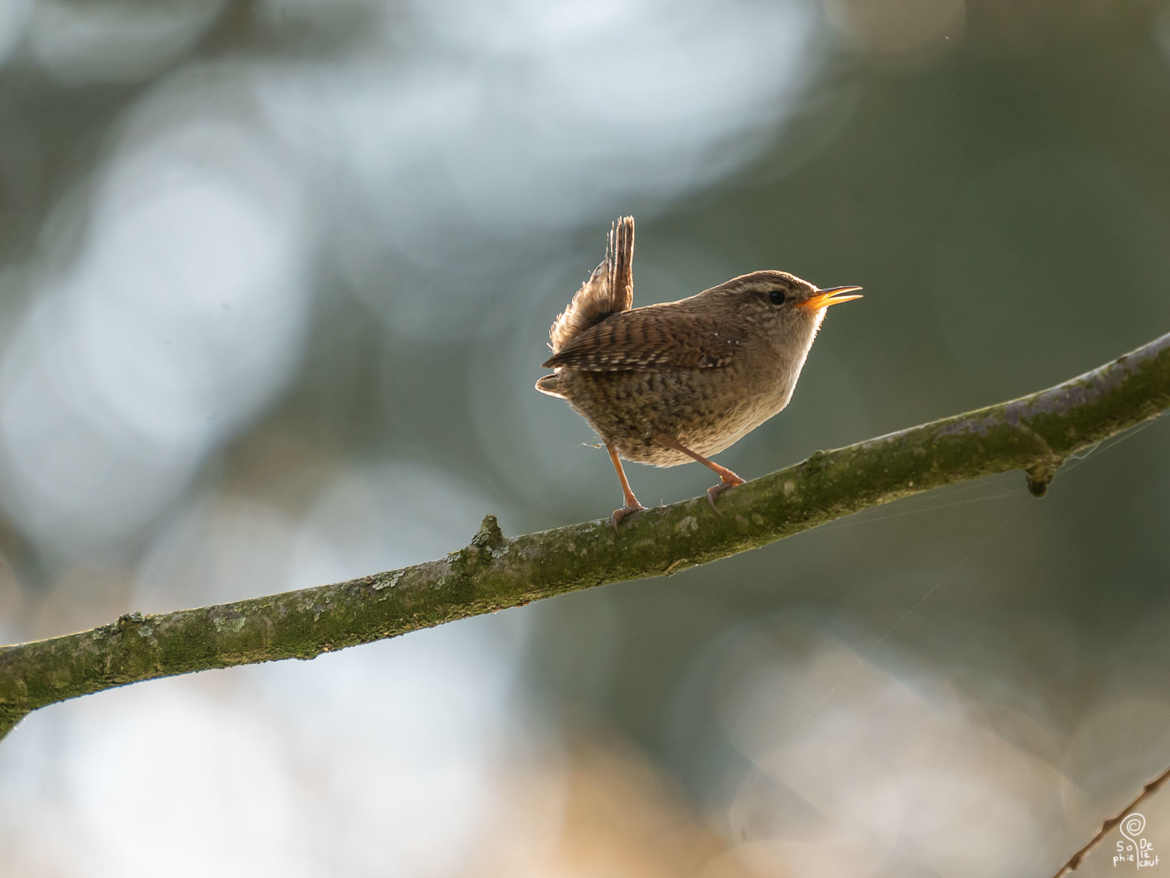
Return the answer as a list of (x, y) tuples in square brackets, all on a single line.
[(715, 490), (712, 493), (620, 514)]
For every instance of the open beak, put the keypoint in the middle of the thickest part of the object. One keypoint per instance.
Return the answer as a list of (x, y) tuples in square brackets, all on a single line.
[(831, 296)]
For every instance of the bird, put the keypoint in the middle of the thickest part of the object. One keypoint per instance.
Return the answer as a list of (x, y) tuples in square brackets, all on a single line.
[(679, 382)]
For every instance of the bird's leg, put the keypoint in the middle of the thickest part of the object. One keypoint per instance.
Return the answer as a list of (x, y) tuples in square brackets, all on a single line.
[(632, 504), (727, 479)]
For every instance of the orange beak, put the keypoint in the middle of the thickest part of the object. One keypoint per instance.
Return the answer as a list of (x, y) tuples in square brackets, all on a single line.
[(831, 296)]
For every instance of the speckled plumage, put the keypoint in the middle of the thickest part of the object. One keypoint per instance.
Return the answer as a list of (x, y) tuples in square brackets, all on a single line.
[(697, 374)]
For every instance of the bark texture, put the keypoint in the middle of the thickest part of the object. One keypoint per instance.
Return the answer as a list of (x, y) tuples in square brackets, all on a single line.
[(1034, 433)]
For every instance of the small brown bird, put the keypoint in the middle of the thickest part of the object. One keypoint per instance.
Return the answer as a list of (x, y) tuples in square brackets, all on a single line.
[(678, 382)]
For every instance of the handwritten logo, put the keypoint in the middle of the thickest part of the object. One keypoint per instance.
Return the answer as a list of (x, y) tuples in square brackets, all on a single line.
[(1136, 848)]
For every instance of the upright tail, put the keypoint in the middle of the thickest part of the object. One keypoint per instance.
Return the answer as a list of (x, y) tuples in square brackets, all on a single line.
[(609, 289)]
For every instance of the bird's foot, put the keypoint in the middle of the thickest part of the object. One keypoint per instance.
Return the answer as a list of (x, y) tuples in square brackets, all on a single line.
[(728, 481), (620, 514)]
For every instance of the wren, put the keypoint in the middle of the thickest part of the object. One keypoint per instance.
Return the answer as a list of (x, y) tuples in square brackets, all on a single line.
[(681, 381)]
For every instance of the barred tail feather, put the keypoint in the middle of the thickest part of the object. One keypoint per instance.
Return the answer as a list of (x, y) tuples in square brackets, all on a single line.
[(610, 288), (620, 256)]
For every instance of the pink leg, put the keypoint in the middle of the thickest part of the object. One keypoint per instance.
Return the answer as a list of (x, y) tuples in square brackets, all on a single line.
[(632, 504), (727, 479)]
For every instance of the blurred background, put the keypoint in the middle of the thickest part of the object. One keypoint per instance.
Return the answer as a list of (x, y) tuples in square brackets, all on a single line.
[(275, 283)]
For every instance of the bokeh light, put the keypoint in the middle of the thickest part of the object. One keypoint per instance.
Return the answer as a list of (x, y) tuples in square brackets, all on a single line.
[(275, 284)]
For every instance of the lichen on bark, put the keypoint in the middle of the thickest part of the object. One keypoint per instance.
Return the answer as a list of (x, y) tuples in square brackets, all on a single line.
[(1033, 433)]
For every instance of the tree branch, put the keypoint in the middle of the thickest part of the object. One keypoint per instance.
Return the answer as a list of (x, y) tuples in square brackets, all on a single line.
[(1034, 433), (1147, 790)]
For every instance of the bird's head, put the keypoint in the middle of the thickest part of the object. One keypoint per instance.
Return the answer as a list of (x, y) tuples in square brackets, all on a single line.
[(789, 309)]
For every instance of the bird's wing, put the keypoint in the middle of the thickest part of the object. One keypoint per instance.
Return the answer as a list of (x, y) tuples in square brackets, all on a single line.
[(647, 339), (609, 290)]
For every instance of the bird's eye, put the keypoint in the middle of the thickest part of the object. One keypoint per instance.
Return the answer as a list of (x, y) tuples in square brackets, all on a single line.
[(777, 297)]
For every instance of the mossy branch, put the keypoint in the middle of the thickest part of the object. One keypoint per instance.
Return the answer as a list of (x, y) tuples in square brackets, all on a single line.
[(1034, 433)]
